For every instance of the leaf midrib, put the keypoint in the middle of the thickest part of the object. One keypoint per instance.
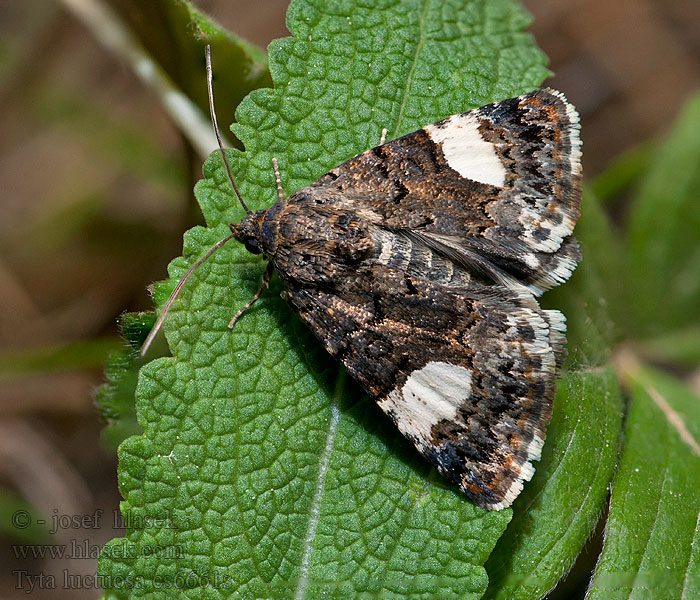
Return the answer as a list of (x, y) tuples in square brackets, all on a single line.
[(661, 496), (315, 509), (409, 78)]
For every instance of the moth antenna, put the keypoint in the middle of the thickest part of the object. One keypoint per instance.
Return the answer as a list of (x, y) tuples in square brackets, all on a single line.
[(176, 292), (280, 192), (210, 91), (383, 138)]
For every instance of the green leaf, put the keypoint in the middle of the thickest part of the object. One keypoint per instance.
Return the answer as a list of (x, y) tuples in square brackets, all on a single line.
[(556, 513), (267, 471), (116, 398), (652, 538), (175, 33), (663, 254)]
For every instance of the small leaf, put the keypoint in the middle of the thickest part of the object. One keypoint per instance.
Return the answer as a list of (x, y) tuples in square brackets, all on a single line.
[(115, 398), (652, 538), (663, 254), (556, 513), (259, 462), (175, 32)]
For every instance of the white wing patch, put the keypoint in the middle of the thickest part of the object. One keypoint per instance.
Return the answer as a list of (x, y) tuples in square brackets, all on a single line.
[(466, 151), (428, 396)]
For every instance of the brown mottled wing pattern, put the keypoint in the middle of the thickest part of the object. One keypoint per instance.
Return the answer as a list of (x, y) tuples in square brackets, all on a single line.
[(465, 371), (517, 213), (417, 264)]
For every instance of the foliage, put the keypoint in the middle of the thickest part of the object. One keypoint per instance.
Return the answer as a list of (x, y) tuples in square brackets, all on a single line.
[(175, 32), (115, 398), (262, 471)]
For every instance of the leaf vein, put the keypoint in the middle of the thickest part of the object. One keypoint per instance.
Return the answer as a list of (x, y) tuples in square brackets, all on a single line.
[(690, 556), (651, 533), (673, 418), (315, 512), (409, 79)]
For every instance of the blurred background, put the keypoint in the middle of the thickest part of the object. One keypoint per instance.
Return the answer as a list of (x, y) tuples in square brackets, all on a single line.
[(96, 193)]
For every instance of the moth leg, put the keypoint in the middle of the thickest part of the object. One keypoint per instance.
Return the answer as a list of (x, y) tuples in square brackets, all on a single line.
[(263, 284), (383, 138)]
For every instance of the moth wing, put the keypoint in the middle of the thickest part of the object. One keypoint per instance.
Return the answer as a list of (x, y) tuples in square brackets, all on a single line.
[(466, 371), (502, 182)]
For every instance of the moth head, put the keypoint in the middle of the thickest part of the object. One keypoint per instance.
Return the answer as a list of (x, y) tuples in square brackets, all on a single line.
[(249, 231)]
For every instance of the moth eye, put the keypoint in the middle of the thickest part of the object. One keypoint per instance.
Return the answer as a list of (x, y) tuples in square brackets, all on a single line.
[(252, 246)]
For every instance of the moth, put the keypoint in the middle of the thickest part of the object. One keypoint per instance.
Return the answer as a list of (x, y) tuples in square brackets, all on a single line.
[(418, 263)]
